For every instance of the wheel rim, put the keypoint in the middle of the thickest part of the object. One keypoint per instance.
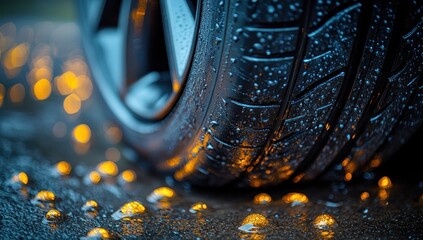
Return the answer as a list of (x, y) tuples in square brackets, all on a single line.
[(147, 48)]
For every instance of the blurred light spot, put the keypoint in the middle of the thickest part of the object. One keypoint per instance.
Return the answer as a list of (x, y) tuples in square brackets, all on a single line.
[(129, 209), (63, 168), (298, 178), (82, 133), (15, 58), (42, 89), (59, 129), (383, 194), (198, 207), (348, 177), (112, 154), (98, 233), (171, 163), (364, 196), (67, 83), (19, 55), (262, 198), (385, 183), (128, 176), (85, 87), (376, 162), (295, 199), (76, 65), (94, 177), (2, 94), (20, 178), (253, 222), (345, 162), (53, 216), (17, 93), (72, 104), (161, 194), (42, 73), (81, 148), (114, 134), (42, 60), (108, 168), (350, 167)]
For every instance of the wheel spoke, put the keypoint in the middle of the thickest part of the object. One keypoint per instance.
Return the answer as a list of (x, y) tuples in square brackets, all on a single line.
[(145, 47), (141, 27), (179, 26), (105, 18), (103, 13)]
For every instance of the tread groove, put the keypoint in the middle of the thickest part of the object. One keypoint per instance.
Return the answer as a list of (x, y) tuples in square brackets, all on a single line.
[(381, 84), (269, 58), (282, 113), (332, 17), (232, 145), (346, 87), (316, 84), (253, 106), (403, 115), (264, 25)]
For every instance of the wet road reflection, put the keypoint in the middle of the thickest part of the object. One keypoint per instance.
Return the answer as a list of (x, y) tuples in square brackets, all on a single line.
[(66, 172)]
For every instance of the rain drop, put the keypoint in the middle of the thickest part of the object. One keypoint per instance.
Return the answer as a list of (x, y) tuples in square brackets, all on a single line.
[(198, 207), (253, 223), (295, 199), (128, 210), (161, 194)]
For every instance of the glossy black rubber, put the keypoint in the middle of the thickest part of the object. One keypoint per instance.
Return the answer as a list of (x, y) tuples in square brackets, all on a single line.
[(287, 90)]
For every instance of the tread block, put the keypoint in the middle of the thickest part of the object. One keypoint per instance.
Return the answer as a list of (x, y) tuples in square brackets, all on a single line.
[(368, 75), (270, 11), (329, 47), (259, 82), (324, 9), (311, 111), (306, 120), (242, 124), (268, 41), (396, 97)]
